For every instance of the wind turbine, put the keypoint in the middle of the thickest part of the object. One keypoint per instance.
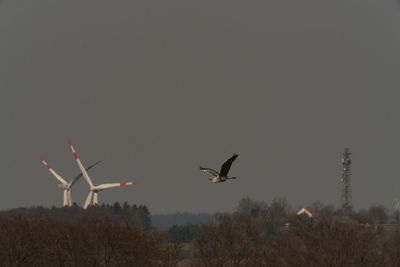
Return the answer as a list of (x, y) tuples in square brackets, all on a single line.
[(94, 189), (63, 184)]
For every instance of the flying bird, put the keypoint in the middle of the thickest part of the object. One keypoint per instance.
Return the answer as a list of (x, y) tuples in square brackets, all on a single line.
[(222, 176)]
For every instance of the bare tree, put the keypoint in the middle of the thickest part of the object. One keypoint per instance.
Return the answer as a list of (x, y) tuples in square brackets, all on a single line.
[(391, 250)]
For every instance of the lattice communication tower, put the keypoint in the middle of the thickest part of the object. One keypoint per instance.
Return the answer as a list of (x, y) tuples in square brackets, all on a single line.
[(346, 182)]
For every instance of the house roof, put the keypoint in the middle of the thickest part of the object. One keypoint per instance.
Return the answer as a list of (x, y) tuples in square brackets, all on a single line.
[(311, 210), (308, 210)]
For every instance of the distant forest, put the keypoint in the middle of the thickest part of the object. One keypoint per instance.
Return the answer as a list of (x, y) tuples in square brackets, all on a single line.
[(255, 234), (165, 221), (115, 213)]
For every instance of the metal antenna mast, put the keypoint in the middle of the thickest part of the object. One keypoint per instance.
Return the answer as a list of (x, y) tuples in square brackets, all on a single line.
[(346, 182)]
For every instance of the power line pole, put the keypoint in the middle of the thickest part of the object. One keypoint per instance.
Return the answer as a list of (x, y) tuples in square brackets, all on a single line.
[(346, 182)]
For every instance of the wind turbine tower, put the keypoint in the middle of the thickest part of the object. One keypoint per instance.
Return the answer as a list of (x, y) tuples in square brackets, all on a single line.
[(346, 182)]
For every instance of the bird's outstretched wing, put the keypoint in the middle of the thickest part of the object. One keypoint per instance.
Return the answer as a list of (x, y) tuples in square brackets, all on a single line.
[(210, 171), (227, 165)]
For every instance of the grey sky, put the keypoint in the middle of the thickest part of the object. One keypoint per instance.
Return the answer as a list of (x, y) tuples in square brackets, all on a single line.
[(157, 88)]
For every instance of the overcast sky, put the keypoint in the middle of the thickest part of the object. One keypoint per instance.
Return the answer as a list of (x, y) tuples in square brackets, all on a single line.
[(157, 88)]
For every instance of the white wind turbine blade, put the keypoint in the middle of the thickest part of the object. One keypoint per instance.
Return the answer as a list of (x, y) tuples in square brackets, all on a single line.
[(88, 199), (65, 203), (85, 175), (59, 178), (69, 198), (106, 186)]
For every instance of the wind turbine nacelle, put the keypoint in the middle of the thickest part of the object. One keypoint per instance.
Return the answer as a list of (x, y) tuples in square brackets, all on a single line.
[(63, 186)]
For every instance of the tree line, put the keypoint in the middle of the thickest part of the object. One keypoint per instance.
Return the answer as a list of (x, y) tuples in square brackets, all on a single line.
[(261, 234), (239, 240), (255, 234), (115, 213), (87, 242)]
